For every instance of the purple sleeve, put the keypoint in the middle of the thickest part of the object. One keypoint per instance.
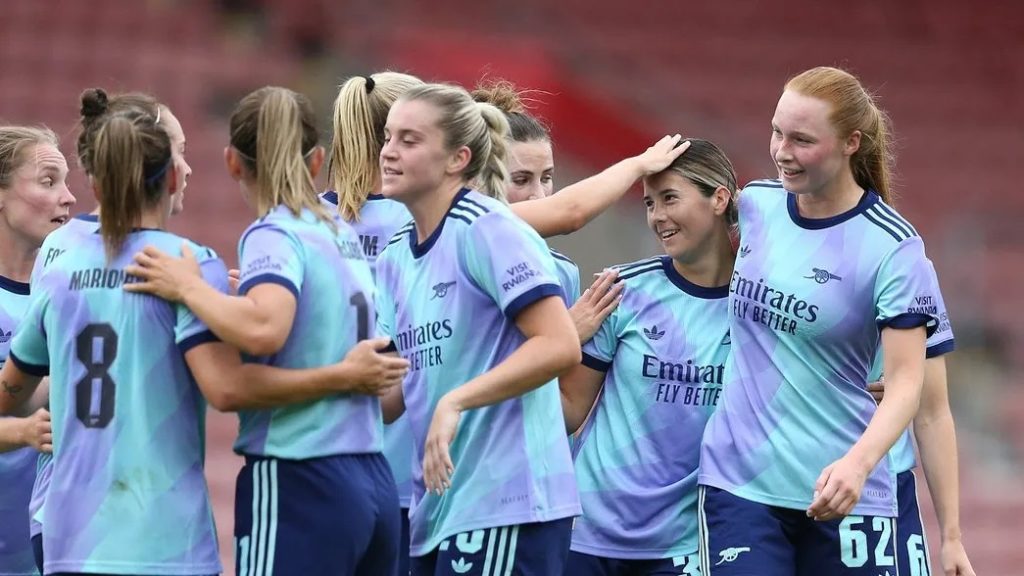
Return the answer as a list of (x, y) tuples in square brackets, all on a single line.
[(509, 262), (269, 255), (904, 291)]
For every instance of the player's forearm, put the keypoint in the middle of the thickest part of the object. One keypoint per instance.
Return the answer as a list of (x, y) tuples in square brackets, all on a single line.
[(894, 414), (578, 397), (236, 320), (936, 440), (537, 361), (12, 433), (260, 386), (576, 205)]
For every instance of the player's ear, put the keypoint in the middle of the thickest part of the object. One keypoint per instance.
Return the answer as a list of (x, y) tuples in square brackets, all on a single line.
[(233, 162), (316, 161)]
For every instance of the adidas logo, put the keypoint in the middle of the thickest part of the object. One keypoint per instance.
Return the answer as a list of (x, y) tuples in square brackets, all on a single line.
[(5, 337), (652, 333), (461, 567), (744, 251)]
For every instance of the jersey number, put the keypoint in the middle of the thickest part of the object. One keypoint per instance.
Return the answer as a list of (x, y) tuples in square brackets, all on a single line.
[(362, 315), (94, 393)]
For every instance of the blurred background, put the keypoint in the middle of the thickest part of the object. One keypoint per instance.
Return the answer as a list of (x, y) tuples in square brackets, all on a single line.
[(614, 76)]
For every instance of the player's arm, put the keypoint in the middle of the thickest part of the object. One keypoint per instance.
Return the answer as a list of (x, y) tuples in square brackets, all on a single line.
[(230, 384), (17, 388), (551, 347), (839, 486), (936, 439), (579, 387), (576, 205), (258, 323)]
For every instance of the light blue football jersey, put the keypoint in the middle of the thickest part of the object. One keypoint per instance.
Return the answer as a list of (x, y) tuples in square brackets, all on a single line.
[(322, 264), (808, 300), (17, 467), (568, 277), (128, 418), (379, 220), (449, 303), (57, 242), (663, 351)]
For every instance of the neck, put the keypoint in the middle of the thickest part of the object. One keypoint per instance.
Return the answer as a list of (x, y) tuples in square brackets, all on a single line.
[(838, 196), (430, 208), (713, 267), (155, 218), (17, 256)]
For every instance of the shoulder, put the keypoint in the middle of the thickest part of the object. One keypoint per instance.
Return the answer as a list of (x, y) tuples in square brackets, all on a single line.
[(640, 270), (559, 257), (889, 226)]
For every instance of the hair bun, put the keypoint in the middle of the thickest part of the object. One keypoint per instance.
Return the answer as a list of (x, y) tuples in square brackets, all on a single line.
[(94, 103)]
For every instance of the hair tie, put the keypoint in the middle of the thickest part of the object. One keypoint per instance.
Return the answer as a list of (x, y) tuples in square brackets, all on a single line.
[(157, 121), (369, 84)]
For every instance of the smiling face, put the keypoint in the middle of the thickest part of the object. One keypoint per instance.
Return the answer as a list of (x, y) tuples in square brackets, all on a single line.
[(684, 220), (37, 201), (414, 158), (531, 167), (808, 153)]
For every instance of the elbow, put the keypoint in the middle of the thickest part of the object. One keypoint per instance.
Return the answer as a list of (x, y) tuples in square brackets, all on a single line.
[(568, 355), (262, 342), (224, 400)]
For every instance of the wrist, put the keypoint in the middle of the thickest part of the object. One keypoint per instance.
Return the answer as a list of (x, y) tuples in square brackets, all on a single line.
[(951, 535), (189, 290), (454, 400)]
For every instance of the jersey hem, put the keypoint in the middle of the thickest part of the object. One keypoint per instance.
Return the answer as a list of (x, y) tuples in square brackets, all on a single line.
[(115, 567), (244, 288), (628, 553), (794, 504), (495, 522), (38, 370)]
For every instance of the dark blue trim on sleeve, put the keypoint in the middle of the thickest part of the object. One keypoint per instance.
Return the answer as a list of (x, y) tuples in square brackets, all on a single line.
[(595, 363), (268, 279), (204, 337), (531, 296), (30, 369), (908, 321), (940, 349)]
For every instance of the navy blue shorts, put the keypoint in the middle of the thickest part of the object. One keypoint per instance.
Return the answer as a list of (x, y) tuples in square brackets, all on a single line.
[(37, 551), (587, 565), (403, 548), (912, 556), (323, 516), (538, 549), (744, 538)]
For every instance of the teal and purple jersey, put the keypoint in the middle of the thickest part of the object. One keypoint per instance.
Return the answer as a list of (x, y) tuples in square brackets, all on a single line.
[(379, 220), (449, 304), (568, 278), (939, 343), (663, 351), (56, 243), (67, 236), (322, 265), (128, 418), (808, 300), (17, 467)]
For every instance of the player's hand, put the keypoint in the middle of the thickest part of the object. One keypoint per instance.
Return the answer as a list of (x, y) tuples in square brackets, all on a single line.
[(437, 462), (164, 275), (877, 389), (596, 303), (234, 277), (38, 431), (837, 490), (366, 371), (661, 154), (954, 559)]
